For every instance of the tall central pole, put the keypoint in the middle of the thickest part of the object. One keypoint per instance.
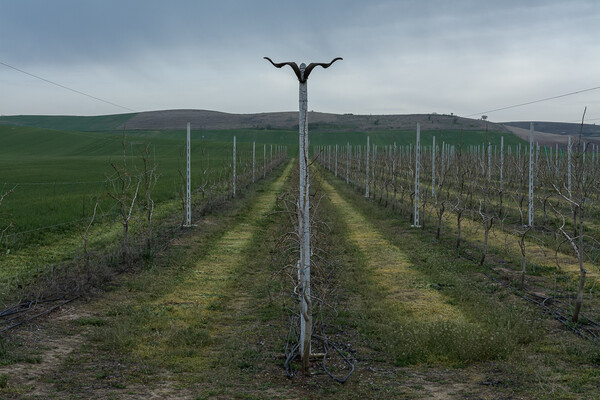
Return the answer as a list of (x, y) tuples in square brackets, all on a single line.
[(302, 72), (304, 224)]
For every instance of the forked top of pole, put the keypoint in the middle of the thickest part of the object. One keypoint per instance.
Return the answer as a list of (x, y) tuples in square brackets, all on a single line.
[(302, 73)]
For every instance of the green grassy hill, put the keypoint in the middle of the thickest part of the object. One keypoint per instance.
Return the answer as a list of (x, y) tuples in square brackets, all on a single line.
[(68, 122)]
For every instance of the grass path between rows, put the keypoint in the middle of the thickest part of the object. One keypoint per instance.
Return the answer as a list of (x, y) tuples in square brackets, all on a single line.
[(392, 268), (505, 242), (206, 320), (198, 299), (503, 340), (159, 334)]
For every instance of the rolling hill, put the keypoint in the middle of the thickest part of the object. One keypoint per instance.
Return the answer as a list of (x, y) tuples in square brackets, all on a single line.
[(214, 120)]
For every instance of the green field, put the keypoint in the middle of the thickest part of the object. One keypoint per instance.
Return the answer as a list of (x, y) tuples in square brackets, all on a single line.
[(208, 315), (67, 122), (380, 138), (56, 174), (53, 174)]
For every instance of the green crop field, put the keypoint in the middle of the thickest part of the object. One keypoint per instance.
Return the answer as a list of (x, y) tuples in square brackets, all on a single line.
[(56, 175), (387, 137), (67, 122)]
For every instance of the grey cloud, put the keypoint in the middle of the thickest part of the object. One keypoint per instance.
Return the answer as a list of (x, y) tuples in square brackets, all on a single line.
[(399, 56)]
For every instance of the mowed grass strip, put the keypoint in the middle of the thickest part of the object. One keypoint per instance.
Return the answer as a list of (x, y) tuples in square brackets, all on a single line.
[(405, 288), (506, 243), (187, 318), (417, 302)]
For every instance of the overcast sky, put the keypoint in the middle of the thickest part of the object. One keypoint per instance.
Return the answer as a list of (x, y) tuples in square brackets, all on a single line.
[(461, 56)]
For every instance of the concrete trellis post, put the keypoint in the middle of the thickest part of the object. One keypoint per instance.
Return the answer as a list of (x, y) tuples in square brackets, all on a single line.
[(443, 159), (188, 181), (433, 167), (501, 163), (336, 159), (531, 155), (584, 145), (569, 167), (417, 167), (394, 155), (348, 155), (373, 169), (264, 160), (489, 161), (304, 221), (367, 169), (234, 167), (302, 74)]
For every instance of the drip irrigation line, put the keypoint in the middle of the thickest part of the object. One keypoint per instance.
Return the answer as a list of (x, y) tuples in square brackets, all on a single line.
[(19, 308), (558, 313), (326, 344), (291, 353), (38, 315)]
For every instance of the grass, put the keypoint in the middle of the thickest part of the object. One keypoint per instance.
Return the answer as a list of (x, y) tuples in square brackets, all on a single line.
[(512, 344), (421, 309), (56, 177), (174, 331), (68, 122), (56, 174)]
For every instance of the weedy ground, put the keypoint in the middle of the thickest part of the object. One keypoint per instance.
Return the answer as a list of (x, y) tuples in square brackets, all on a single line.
[(204, 321)]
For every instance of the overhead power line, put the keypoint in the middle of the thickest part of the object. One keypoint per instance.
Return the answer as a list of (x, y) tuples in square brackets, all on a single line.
[(66, 87), (535, 101)]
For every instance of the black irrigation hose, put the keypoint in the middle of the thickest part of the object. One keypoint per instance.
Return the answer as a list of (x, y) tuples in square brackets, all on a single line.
[(25, 306), (19, 308), (558, 313), (38, 315), (290, 355), (326, 344), (584, 332)]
